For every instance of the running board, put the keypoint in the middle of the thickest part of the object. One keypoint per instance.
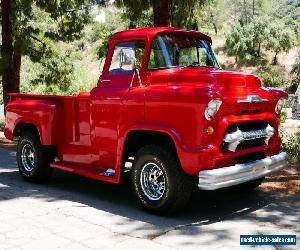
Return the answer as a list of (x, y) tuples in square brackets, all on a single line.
[(91, 172)]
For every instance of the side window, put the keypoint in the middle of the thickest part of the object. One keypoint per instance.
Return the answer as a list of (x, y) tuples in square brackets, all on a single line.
[(187, 55), (203, 56), (122, 61), (156, 59)]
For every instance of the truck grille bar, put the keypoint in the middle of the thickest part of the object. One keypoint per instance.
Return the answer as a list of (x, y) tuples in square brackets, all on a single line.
[(235, 138)]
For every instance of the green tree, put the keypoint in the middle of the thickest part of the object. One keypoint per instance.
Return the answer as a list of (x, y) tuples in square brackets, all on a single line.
[(249, 40), (164, 12), (246, 10), (245, 41), (236, 42), (280, 38), (212, 15), (24, 34)]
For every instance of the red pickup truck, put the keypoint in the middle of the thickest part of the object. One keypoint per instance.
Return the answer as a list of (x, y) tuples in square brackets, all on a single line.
[(164, 110)]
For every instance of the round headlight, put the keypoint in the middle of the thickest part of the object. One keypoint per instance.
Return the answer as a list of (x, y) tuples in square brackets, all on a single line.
[(279, 106), (212, 108)]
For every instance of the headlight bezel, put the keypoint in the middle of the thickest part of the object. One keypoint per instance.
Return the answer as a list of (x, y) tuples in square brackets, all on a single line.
[(280, 105), (212, 108)]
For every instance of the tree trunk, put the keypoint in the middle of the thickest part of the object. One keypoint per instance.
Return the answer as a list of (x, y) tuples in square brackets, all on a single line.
[(213, 23), (215, 28), (17, 60), (259, 49), (275, 58), (132, 24), (162, 11), (8, 76)]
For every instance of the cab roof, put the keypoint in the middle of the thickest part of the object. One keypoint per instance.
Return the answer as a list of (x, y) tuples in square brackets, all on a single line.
[(151, 32)]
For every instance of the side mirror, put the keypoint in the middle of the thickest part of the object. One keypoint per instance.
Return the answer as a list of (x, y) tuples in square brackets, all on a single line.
[(136, 71), (127, 58)]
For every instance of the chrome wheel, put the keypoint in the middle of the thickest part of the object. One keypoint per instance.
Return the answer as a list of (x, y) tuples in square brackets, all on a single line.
[(153, 181), (28, 157)]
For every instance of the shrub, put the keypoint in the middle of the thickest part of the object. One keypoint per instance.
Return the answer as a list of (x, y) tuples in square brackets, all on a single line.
[(67, 75), (271, 77), (291, 145), (283, 116)]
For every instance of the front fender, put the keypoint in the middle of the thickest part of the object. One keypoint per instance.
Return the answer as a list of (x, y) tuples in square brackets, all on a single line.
[(184, 151)]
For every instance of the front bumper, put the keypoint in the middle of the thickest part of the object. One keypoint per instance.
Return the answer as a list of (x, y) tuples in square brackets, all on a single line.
[(240, 173)]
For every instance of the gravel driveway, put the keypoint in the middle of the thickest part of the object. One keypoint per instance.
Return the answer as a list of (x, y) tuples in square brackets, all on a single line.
[(71, 212)]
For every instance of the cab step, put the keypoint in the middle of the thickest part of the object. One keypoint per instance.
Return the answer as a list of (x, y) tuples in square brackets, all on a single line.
[(96, 173)]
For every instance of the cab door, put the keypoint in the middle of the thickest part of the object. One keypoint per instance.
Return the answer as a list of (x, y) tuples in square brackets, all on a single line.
[(108, 98)]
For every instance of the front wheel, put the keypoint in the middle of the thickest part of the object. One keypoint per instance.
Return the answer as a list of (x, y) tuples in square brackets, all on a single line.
[(33, 159), (158, 181)]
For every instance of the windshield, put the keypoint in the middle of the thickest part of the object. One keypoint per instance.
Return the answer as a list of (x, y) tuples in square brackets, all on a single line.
[(171, 50)]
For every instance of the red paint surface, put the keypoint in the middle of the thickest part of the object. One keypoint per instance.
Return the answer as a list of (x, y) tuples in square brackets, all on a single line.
[(90, 129)]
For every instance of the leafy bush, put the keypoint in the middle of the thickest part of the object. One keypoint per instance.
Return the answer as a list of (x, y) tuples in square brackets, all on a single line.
[(69, 74), (291, 145), (53, 73), (1, 126), (101, 47), (271, 77), (283, 116), (245, 39)]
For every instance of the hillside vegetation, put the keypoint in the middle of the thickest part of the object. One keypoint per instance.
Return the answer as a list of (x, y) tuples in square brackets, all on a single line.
[(259, 36)]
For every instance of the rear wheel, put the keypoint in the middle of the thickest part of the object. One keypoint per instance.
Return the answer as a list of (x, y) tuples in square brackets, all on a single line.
[(34, 159), (158, 181)]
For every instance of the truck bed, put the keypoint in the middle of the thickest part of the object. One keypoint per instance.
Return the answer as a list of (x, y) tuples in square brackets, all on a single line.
[(73, 112)]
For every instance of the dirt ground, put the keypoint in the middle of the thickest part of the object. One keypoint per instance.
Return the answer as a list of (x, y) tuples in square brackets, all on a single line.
[(286, 180)]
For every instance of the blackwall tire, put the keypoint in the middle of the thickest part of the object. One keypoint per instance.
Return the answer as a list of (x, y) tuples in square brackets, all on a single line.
[(158, 181), (33, 159)]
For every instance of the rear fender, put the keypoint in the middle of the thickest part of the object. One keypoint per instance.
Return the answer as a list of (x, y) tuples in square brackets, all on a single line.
[(45, 115)]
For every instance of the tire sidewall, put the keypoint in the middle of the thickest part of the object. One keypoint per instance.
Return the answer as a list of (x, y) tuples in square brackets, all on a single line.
[(24, 140), (138, 166)]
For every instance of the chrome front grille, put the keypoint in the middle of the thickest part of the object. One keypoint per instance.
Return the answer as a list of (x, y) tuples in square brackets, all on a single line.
[(245, 136)]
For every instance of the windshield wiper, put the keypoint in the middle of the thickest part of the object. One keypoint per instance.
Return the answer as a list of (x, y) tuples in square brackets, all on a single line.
[(198, 65), (192, 65)]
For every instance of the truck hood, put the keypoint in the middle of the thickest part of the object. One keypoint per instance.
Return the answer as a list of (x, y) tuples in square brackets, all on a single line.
[(228, 84), (217, 79)]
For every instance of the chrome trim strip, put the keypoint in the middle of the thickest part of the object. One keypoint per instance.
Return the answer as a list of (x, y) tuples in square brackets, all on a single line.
[(235, 138), (252, 99), (109, 172), (240, 173)]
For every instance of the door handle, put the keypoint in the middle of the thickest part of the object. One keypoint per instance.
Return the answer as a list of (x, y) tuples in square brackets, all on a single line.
[(105, 80)]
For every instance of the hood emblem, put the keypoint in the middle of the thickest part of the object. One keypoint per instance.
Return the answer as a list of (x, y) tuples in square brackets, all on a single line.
[(252, 99)]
